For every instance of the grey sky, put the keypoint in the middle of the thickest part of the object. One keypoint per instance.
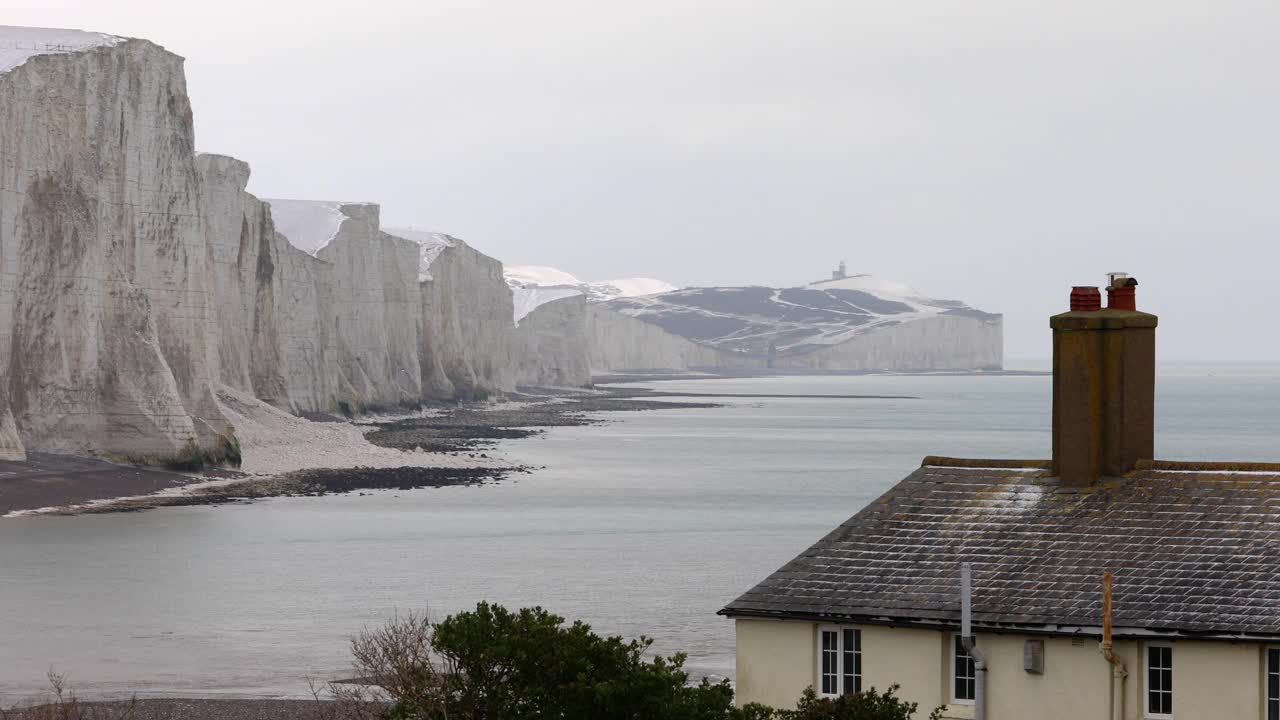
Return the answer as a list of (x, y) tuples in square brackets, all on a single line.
[(992, 151)]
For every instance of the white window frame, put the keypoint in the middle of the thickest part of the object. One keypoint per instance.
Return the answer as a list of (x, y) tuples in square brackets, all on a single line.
[(839, 630), (1266, 678), (951, 674), (1146, 681)]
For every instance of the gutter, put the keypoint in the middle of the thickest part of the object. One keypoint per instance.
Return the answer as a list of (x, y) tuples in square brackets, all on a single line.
[(1047, 629)]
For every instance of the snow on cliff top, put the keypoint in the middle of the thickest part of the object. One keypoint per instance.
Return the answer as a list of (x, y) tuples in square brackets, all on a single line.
[(871, 284), (534, 285), (430, 245), (20, 44), (525, 300), (308, 224), (633, 287), (539, 275)]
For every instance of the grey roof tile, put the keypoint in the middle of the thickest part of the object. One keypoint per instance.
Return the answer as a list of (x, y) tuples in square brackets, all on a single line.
[(1190, 551)]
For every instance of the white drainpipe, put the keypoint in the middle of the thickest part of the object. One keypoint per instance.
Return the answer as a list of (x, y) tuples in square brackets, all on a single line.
[(970, 646)]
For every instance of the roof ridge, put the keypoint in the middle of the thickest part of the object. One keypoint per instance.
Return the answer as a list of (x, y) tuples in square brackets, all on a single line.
[(988, 464), (1183, 465)]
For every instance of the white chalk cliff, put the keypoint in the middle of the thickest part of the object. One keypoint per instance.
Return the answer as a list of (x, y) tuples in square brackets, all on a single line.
[(550, 345), (534, 285), (376, 303), (613, 341), (141, 282), (137, 277), (850, 323), (105, 316), (853, 323), (466, 319)]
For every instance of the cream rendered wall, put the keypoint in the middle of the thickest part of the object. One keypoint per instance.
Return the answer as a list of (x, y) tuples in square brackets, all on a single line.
[(1215, 680), (1211, 680), (776, 661), (1075, 683), (911, 658)]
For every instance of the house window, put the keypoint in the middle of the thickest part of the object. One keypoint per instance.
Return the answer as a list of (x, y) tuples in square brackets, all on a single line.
[(839, 660), (1159, 681), (1273, 684), (964, 686)]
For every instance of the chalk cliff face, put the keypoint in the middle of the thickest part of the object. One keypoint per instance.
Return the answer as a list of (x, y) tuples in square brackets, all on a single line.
[(848, 323), (941, 342), (104, 282), (136, 277), (550, 345), (466, 318), (419, 315), (854, 323), (139, 280), (273, 302), (377, 309), (620, 342)]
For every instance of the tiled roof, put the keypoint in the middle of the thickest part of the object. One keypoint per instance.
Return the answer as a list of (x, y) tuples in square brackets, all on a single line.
[(1193, 550)]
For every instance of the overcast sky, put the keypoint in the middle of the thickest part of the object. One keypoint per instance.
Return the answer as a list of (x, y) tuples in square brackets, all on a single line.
[(993, 151)]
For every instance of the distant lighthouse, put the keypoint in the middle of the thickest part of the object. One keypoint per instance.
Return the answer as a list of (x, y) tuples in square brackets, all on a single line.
[(839, 273)]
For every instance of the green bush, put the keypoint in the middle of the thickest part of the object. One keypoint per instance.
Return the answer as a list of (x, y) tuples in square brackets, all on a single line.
[(530, 664), (866, 705), (494, 664)]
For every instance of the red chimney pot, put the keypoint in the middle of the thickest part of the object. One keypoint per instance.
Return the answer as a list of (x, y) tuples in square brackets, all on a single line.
[(1122, 298), (1086, 299)]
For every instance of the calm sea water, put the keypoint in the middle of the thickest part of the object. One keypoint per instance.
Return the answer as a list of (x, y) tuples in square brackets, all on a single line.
[(645, 525)]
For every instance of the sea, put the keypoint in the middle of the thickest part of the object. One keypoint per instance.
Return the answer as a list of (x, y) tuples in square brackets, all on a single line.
[(644, 525)]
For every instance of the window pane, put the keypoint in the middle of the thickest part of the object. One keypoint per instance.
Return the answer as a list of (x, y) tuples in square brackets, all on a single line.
[(964, 685), (849, 661), (830, 659), (1160, 680), (1273, 684)]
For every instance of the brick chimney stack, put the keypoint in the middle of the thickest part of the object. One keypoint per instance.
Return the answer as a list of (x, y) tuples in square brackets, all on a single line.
[(1104, 384)]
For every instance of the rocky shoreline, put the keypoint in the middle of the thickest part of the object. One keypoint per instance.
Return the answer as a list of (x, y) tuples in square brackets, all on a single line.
[(189, 709), (470, 428), (288, 456), (439, 445)]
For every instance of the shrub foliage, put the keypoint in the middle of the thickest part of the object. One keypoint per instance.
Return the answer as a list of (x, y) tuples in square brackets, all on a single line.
[(494, 664)]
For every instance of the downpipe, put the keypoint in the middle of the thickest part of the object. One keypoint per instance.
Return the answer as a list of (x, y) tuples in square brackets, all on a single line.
[(979, 677), (1118, 671), (1118, 675), (970, 645)]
